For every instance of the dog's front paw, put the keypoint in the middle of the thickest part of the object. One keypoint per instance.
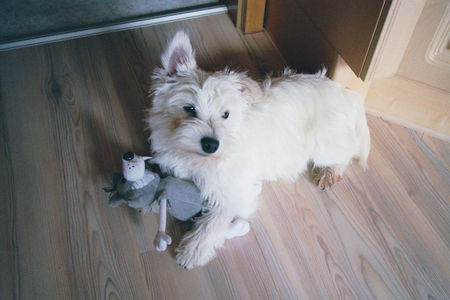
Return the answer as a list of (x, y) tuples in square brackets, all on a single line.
[(192, 254), (238, 227)]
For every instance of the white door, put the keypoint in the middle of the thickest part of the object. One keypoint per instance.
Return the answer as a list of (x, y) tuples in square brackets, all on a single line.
[(427, 58)]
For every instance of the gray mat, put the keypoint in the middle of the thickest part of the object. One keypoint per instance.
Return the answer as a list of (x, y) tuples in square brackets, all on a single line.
[(28, 18)]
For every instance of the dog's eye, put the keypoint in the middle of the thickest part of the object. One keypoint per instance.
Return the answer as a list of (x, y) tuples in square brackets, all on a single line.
[(226, 115), (190, 110)]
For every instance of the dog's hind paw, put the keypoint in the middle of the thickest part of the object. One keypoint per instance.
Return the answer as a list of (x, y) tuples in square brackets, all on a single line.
[(325, 177)]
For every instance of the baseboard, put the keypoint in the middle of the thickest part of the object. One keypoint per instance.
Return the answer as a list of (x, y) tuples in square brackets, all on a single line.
[(407, 124), (411, 104)]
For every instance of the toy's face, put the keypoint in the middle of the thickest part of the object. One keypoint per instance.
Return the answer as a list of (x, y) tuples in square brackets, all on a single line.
[(133, 166)]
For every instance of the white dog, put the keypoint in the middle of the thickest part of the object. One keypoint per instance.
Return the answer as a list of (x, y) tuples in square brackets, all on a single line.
[(228, 133)]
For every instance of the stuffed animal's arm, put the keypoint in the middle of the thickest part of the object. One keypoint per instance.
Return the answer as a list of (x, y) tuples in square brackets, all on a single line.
[(116, 200), (162, 239)]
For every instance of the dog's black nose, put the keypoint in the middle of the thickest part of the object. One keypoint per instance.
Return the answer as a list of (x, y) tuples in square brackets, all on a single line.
[(209, 145)]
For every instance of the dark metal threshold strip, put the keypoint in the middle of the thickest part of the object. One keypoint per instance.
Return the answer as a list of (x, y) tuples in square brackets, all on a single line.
[(154, 20)]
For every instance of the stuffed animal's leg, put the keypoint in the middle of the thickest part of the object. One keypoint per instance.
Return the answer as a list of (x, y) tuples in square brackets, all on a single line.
[(162, 239), (199, 246)]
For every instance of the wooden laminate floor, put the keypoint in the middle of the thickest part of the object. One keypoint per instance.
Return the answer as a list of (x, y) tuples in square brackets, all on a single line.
[(68, 112)]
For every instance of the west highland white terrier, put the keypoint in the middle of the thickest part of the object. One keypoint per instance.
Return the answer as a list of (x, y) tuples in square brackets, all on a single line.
[(228, 133)]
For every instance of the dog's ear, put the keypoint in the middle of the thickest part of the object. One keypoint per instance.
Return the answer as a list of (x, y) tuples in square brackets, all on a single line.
[(179, 56), (250, 89)]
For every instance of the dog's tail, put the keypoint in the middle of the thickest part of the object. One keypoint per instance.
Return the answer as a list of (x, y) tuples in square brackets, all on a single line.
[(362, 132)]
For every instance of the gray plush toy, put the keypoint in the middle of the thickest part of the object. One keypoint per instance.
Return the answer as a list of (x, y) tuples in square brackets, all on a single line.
[(142, 189)]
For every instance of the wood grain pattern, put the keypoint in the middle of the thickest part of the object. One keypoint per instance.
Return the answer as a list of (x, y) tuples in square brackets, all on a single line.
[(69, 110)]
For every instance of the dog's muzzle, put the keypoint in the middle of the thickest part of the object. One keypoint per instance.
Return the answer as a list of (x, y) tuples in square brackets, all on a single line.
[(209, 145)]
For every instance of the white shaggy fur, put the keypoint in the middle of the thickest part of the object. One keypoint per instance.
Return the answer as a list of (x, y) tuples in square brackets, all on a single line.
[(272, 131)]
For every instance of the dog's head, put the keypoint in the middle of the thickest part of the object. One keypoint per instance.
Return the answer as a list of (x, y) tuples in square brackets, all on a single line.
[(195, 114)]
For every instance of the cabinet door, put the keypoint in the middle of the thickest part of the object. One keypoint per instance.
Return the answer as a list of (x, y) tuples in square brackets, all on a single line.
[(310, 33)]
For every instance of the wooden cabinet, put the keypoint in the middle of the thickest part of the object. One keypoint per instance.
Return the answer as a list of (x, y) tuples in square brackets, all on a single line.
[(368, 37), (311, 33)]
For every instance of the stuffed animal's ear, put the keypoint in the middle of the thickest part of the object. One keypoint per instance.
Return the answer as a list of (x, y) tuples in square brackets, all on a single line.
[(179, 56)]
